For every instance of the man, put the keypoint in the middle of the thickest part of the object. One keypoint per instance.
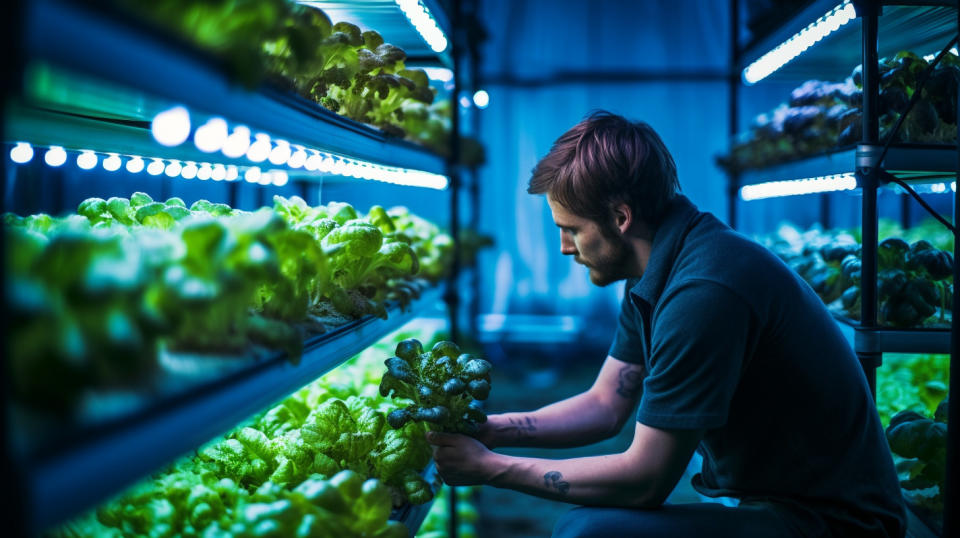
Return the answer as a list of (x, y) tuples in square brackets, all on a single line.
[(729, 353)]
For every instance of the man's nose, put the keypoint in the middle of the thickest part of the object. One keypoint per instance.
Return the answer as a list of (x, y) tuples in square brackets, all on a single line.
[(566, 245)]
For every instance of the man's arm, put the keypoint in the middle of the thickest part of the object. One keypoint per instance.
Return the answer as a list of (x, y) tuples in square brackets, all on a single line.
[(640, 477), (591, 416)]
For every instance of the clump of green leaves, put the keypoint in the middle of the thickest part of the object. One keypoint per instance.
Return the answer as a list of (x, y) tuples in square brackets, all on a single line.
[(446, 386)]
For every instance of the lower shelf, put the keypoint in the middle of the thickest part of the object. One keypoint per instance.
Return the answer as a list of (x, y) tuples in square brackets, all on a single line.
[(104, 458), (889, 340)]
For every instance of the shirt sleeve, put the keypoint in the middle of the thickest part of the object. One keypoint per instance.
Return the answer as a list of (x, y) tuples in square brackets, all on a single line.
[(698, 347), (628, 345)]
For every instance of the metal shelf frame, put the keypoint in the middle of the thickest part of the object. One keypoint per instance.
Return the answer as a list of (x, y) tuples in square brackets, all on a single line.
[(91, 42), (924, 24), (112, 456)]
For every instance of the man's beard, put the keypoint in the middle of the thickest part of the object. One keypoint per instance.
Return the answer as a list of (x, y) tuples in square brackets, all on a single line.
[(613, 266)]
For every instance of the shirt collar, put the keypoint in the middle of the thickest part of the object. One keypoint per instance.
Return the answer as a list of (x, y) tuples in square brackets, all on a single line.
[(666, 245)]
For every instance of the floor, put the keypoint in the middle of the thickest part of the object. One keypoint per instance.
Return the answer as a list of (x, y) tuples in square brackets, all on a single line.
[(526, 385)]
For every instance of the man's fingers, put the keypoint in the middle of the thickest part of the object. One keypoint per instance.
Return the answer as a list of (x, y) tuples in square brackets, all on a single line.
[(440, 439)]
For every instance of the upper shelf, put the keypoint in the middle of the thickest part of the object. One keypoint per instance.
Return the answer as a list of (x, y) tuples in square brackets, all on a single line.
[(388, 18), (156, 70), (100, 458), (922, 26), (911, 162)]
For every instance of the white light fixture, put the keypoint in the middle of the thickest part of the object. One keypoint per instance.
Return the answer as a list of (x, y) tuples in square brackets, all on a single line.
[(252, 175), (22, 153), (172, 126), (87, 159), (173, 169), (55, 156), (280, 178), (481, 99), (189, 171), (441, 74), (313, 162), (155, 168), (237, 143), (265, 178), (260, 149), (793, 47), (424, 23), (211, 136), (281, 153), (135, 165), (112, 163), (205, 172), (232, 173), (219, 173), (298, 159), (773, 189)]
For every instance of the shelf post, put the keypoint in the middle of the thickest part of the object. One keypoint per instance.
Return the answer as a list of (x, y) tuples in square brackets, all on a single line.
[(867, 176), (451, 297), (733, 103), (950, 525)]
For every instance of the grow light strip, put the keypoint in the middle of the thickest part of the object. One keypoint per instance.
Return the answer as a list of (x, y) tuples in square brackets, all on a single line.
[(172, 127), (801, 41), (773, 189), (425, 24)]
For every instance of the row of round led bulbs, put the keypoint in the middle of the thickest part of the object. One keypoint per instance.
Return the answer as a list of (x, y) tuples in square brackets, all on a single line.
[(172, 127), (56, 156)]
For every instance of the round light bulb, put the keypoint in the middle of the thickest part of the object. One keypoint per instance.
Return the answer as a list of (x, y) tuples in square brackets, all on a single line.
[(189, 171), (211, 136), (219, 173), (260, 149), (21, 153), (155, 168), (481, 99), (173, 169), (135, 165), (112, 163), (87, 159), (232, 173), (55, 156), (313, 162), (172, 126), (280, 178), (205, 172), (298, 159), (280, 154), (252, 175), (237, 143)]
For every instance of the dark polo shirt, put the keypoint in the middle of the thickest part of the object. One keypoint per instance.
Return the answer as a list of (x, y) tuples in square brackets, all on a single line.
[(737, 344)]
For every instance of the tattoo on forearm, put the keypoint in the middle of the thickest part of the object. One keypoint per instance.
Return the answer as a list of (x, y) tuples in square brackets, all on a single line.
[(521, 428), (630, 381), (555, 480)]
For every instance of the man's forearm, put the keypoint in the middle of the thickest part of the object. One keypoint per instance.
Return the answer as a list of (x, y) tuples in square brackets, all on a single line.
[(600, 480), (576, 421)]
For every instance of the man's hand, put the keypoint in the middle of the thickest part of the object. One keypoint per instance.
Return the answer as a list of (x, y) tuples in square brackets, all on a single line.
[(462, 460)]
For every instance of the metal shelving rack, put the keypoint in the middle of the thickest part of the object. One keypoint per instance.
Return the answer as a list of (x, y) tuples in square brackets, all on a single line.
[(100, 457), (904, 24)]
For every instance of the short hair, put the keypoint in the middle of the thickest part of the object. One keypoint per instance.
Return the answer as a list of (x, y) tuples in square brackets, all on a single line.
[(606, 160)]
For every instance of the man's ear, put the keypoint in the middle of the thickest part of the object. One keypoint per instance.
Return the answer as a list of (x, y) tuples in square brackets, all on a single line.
[(622, 217)]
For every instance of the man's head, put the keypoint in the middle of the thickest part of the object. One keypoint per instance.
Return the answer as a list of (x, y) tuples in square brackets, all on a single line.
[(604, 161), (608, 182)]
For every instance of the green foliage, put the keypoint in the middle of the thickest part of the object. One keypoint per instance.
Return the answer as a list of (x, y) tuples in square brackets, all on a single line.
[(93, 297), (445, 386), (915, 279)]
